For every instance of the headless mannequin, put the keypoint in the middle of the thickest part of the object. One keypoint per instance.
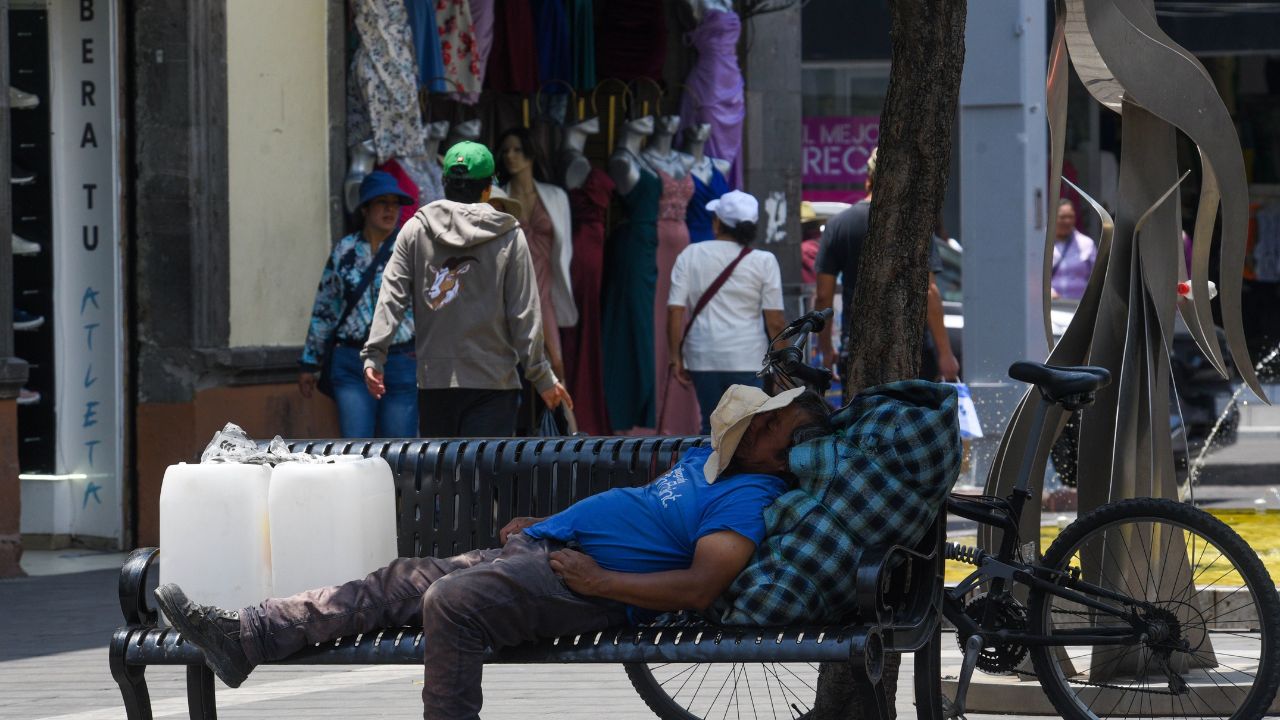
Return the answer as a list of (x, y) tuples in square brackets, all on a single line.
[(436, 132), (574, 165), (700, 7), (363, 158), (625, 164), (466, 130), (695, 144), (661, 155)]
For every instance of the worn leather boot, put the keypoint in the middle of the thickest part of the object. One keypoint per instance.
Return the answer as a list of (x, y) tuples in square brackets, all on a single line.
[(214, 630)]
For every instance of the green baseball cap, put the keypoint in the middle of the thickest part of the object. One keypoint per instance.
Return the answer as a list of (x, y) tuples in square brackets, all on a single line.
[(470, 160)]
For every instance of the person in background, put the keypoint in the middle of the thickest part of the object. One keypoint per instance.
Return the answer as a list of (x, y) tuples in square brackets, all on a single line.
[(810, 239), (342, 330), (726, 341), (838, 255), (1073, 255), (463, 267)]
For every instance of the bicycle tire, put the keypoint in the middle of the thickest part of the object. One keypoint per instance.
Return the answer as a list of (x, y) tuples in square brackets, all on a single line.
[(786, 689), (1134, 516)]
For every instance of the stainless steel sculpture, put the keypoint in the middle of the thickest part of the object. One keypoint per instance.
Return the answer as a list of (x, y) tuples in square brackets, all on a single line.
[(1125, 319)]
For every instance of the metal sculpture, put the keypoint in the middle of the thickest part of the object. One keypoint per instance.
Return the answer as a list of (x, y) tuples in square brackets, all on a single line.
[(1125, 319)]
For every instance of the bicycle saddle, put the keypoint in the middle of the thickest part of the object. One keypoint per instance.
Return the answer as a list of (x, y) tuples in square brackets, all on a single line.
[(1071, 386)]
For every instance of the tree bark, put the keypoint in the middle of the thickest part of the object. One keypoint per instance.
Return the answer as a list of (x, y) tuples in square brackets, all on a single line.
[(889, 300)]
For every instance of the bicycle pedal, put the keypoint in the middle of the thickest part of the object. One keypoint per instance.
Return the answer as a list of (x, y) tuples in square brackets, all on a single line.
[(949, 710)]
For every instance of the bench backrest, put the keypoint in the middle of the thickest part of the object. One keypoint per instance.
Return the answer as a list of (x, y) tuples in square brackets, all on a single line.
[(455, 495)]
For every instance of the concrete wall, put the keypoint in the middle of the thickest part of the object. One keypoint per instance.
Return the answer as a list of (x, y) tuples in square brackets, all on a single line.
[(178, 432), (278, 166)]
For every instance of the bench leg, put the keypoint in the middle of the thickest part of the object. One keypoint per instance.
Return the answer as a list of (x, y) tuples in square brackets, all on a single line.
[(200, 697), (131, 679), (928, 678)]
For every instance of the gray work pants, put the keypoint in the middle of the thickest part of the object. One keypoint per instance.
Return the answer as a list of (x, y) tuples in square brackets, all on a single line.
[(464, 604)]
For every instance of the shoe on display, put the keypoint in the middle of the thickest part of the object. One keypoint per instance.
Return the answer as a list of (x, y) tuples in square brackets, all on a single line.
[(19, 100), (19, 175), (28, 397), (23, 246), (23, 320)]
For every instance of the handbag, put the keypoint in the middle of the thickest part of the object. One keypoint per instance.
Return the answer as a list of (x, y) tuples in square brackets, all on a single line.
[(349, 302), (712, 289)]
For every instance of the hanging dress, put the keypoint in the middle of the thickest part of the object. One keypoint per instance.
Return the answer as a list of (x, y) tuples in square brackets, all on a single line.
[(482, 25), (698, 218), (716, 89), (631, 39), (383, 73), (677, 404), (582, 26), (583, 360), (627, 328), (513, 62), (426, 44), (458, 48)]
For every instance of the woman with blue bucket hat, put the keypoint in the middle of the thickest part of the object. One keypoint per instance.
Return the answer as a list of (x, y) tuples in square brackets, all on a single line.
[(342, 314)]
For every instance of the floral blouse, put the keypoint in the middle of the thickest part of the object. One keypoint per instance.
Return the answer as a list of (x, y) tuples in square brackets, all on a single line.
[(342, 272)]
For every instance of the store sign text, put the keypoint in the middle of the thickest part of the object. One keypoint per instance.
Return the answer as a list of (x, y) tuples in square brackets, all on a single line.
[(836, 149)]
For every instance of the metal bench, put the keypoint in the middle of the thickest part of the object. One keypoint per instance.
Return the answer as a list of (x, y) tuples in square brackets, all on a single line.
[(455, 495)]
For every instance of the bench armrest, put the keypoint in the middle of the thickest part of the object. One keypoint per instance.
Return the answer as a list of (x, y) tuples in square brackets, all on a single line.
[(902, 585), (134, 603)]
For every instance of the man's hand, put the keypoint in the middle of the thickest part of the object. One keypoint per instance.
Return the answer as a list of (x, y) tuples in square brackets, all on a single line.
[(306, 383), (373, 381), (578, 571), (517, 525), (828, 350), (948, 367), (556, 395)]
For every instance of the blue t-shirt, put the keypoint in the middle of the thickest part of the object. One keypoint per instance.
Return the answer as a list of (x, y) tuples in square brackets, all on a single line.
[(655, 528)]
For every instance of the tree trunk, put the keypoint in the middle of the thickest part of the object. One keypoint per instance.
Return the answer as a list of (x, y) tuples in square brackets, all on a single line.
[(913, 161)]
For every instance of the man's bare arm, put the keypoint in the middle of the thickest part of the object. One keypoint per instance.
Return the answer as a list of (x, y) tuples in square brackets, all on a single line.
[(823, 298), (717, 560), (936, 318)]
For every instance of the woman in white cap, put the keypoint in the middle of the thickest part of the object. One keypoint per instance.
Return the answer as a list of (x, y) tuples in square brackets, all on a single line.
[(724, 296)]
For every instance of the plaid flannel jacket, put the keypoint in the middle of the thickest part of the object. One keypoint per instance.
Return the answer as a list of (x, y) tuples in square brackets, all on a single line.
[(879, 480)]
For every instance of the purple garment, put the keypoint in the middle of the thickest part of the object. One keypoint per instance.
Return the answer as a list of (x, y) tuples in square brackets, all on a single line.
[(1072, 264), (482, 23), (715, 89)]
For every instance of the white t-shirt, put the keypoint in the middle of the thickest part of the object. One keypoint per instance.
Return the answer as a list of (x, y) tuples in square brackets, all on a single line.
[(729, 334)]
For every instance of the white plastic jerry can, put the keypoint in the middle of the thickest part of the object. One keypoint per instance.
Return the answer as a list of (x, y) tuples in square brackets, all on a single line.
[(214, 536), (330, 523)]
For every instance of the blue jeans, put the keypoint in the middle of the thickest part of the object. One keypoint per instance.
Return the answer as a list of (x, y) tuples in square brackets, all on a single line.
[(360, 415), (709, 385)]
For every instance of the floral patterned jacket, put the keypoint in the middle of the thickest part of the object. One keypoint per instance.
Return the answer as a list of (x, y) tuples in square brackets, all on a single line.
[(342, 272)]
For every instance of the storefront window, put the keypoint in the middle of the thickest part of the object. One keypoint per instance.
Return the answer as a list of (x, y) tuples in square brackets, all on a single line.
[(841, 106)]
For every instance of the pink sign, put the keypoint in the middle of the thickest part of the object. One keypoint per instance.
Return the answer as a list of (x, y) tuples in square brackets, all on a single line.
[(836, 149)]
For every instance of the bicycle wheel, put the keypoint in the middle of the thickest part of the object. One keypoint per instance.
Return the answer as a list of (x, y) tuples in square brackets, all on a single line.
[(1207, 606), (693, 691)]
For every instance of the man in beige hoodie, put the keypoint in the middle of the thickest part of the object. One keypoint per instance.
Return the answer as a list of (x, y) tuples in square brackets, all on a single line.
[(465, 269)]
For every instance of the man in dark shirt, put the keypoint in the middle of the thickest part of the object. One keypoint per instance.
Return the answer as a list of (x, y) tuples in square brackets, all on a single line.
[(838, 255)]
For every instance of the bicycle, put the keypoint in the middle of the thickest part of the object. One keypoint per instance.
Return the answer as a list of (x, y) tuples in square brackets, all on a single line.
[(1115, 618)]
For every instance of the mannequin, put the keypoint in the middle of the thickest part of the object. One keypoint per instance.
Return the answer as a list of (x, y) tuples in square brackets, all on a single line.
[(627, 329), (574, 165), (625, 165), (362, 161), (660, 154), (709, 182), (703, 167), (700, 7), (465, 130), (590, 190), (677, 405), (436, 132)]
